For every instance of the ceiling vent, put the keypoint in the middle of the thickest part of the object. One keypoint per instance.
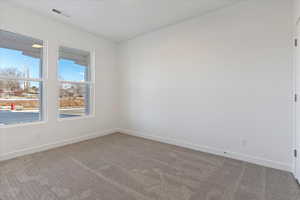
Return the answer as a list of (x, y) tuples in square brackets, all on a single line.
[(60, 12)]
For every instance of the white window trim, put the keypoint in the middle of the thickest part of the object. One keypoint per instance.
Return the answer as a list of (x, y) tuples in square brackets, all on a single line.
[(90, 82), (43, 90), (35, 123)]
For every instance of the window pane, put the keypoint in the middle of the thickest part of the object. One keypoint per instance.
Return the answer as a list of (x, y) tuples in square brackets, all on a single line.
[(73, 100), (73, 65), (20, 62), (19, 101), (70, 71), (74, 97), (20, 56)]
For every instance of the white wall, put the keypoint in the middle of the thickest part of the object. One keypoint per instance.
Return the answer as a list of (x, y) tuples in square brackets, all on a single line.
[(17, 140), (220, 82)]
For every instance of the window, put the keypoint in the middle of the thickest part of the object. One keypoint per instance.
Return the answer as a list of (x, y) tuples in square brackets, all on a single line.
[(75, 82), (21, 80)]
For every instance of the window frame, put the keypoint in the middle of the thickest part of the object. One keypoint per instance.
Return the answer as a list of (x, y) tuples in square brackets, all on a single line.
[(43, 79), (90, 82)]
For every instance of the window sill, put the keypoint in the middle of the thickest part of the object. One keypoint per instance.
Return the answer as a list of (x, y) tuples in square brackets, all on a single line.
[(23, 124), (75, 118)]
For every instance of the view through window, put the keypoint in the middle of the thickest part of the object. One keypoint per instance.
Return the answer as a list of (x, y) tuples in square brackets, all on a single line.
[(75, 86), (21, 80)]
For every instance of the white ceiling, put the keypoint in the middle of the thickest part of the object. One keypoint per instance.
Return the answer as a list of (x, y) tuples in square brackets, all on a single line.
[(123, 19)]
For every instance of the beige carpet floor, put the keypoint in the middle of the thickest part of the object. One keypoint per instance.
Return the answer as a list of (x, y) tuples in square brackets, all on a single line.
[(122, 167)]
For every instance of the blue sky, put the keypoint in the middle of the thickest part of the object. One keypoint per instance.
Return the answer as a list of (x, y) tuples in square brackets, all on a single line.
[(68, 70)]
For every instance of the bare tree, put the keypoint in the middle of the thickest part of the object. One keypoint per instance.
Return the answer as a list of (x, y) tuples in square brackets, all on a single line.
[(10, 84)]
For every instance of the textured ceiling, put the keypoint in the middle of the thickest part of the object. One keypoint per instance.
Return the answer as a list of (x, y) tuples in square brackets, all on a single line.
[(123, 19)]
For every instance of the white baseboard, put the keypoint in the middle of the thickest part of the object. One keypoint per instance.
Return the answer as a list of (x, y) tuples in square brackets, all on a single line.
[(233, 155), (45, 147)]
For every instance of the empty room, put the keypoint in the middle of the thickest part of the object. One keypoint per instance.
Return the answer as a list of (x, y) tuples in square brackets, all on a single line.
[(149, 100)]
